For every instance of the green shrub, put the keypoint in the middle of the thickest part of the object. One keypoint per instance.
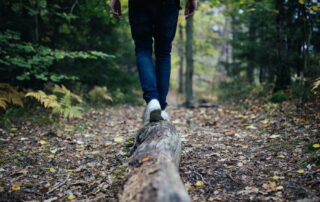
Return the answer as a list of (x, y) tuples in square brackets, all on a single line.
[(279, 97)]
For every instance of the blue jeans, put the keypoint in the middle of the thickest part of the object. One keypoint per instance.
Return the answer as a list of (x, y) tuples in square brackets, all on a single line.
[(154, 22)]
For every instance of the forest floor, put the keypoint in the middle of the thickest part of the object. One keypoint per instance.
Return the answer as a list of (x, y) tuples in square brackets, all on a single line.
[(230, 153)]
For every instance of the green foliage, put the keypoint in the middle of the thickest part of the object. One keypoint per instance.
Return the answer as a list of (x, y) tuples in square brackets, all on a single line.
[(238, 89), (279, 97), (33, 61)]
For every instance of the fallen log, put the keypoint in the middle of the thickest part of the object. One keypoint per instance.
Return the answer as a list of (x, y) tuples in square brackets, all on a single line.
[(153, 167)]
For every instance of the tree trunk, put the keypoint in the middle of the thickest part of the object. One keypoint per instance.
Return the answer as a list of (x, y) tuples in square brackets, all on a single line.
[(153, 167), (181, 61), (189, 58), (251, 53), (283, 80)]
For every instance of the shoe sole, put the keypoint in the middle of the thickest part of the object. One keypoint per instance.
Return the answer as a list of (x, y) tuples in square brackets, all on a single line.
[(155, 116)]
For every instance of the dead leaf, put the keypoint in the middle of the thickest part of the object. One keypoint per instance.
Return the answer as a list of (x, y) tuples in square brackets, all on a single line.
[(146, 159), (42, 142), (53, 151), (16, 187), (229, 132), (270, 186), (71, 197), (52, 170), (199, 184), (119, 139), (275, 177)]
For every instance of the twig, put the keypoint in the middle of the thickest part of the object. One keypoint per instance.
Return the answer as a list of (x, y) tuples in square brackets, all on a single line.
[(56, 186), (230, 176), (201, 177), (74, 5)]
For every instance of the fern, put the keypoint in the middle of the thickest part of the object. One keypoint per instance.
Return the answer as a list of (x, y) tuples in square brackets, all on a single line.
[(63, 106), (66, 109), (3, 103), (69, 112), (64, 91), (316, 84), (10, 95), (48, 101), (99, 94)]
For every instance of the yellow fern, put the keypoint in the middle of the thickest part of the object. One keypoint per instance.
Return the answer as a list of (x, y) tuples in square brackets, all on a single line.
[(10, 95), (48, 101), (3, 103), (62, 106), (99, 94), (316, 84), (64, 91)]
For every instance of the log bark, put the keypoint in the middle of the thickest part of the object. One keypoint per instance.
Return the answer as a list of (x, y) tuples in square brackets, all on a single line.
[(153, 167)]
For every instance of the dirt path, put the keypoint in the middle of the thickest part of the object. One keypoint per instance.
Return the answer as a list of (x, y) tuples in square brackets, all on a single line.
[(257, 153)]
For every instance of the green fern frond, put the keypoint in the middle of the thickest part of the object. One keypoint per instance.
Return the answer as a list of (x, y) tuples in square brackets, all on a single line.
[(64, 91), (65, 101), (69, 112)]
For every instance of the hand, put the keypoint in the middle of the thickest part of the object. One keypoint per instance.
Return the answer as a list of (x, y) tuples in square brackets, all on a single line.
[(190, 8), (115, 6)]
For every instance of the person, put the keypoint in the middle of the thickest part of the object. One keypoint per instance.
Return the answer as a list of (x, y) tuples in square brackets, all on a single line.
[(154, 23)]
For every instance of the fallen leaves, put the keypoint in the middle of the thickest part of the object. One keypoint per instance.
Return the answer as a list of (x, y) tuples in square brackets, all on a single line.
[(240, 158), (300, 171)]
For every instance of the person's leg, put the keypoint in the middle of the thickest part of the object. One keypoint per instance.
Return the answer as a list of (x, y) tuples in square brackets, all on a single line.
[(141, 30), (164, 32)]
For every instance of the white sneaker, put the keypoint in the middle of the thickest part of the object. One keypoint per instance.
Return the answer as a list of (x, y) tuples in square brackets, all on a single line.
[(152, 112), (165, 115)]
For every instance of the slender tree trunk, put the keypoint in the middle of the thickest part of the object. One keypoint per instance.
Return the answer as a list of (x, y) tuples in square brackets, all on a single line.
[(283, 80), (181, 62), (36, 22), (251, 54), (190, 65)]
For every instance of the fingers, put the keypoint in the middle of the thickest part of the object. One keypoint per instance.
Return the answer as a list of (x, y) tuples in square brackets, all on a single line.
[(116, 9), (190, 8), (116, 14), (189, 13)]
